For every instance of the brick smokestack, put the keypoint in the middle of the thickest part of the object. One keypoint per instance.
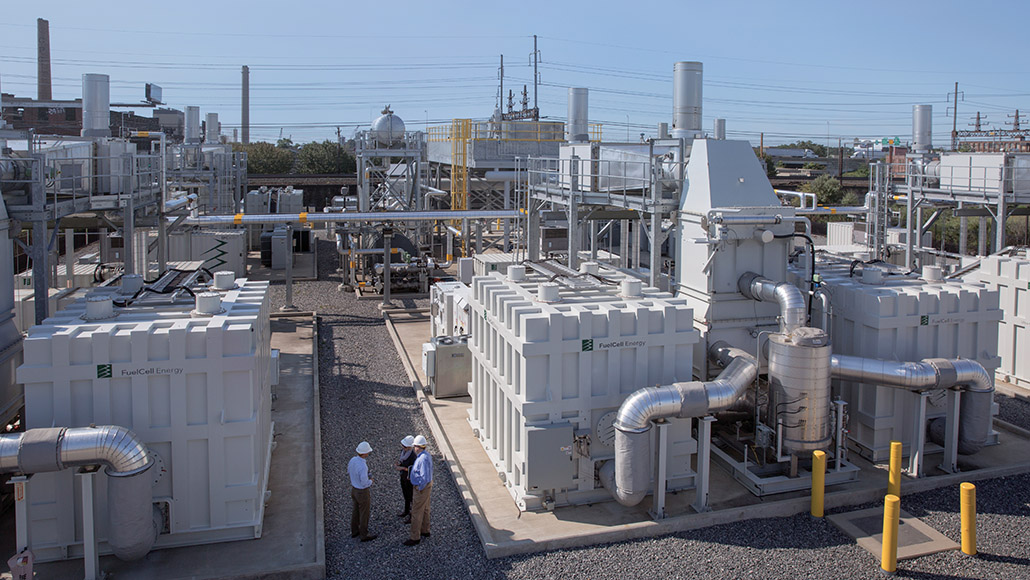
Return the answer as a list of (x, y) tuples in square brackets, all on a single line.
[(44, 88)]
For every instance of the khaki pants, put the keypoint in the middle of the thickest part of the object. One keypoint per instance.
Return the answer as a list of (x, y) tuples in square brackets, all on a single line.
[(420, 512), (359, 515)]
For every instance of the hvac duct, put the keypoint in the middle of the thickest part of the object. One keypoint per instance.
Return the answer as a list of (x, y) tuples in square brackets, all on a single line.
[(628, 476), (192, 131), (686, 100), (133, 525), (719, 129), (577, 130), (96, 105), (922, 128), (935, 373), (211, 128), (793, 311)]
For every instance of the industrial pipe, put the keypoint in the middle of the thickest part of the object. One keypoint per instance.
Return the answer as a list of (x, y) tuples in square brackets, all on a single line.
[(936, 373), (628, 476), (793, 311), (133, 527), (373, 216)]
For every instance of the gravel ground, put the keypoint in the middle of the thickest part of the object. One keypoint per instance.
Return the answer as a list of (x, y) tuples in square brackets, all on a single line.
[(366, 395), (1014, 410)]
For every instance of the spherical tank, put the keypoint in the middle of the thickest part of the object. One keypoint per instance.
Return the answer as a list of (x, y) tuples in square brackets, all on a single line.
[(388, 129)]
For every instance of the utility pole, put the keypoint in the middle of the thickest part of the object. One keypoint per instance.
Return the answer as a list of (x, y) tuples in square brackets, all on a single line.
[(245, 106), (954, 121), (500, 96), (536, 77), (840, 159)]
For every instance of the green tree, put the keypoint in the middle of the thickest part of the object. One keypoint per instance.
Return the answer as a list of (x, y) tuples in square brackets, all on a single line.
[(326, 157), (819, 150), (826, 188), (284, 143), (266, 159)]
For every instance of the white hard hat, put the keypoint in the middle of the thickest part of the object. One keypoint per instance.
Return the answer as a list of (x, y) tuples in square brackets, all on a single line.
[(364, 448), (407, 441), (420, 441)]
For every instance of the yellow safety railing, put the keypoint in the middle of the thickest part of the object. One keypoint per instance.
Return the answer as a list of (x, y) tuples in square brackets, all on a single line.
[(460, 131), (535, 131)]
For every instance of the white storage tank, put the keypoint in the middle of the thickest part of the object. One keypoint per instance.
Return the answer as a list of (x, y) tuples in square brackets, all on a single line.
[(196, 388), (552, 364), (902, 318), (1010, 276)]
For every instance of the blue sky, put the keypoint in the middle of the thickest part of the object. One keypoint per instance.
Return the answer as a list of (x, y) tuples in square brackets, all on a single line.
[(812, 70)]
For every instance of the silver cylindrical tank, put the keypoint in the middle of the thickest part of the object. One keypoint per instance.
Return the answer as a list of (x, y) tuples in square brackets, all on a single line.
[(922, 128), (719, 129), (211, 128), (663, 130), (799, 385), (192, 130), (96, 105), (686, 99), (577, 130)]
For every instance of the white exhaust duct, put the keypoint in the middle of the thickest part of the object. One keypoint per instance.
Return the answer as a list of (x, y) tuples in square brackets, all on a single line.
[(134, 525), (96, 105), (211, 128), (686, 100), (577, 130), (192, 132), (922, 128)]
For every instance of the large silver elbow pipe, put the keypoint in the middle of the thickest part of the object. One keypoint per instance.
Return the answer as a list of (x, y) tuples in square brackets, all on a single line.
[(628, 476), (793, 310), (133, 525), (976, 397)]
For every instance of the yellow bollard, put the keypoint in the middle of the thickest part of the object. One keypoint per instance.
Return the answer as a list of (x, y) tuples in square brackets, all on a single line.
[(967, 492), (818, 482), (891, 514), (894, 479)]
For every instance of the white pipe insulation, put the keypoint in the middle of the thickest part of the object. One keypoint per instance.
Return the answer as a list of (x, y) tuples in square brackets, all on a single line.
[(133, 521), (628, 476)]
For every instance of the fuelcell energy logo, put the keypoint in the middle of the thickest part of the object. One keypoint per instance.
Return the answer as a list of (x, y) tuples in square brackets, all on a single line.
[(107, 371), (217, 258), (588, 344), (924, 320)]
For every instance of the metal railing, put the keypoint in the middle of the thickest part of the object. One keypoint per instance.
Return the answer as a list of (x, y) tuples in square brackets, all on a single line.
[(618, 180)]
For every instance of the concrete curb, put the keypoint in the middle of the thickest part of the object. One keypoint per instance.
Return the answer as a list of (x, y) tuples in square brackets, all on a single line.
[(316, 393), (447, 453)]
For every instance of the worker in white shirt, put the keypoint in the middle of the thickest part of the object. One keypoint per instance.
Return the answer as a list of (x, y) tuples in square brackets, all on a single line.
[(360, 493), (421, 476)]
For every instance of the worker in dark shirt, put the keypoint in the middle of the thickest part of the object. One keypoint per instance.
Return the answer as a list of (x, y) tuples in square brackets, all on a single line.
[(403, 464)]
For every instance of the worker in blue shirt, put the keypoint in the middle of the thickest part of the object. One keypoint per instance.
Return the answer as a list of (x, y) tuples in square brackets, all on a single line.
[(360, 493), (421, 477)]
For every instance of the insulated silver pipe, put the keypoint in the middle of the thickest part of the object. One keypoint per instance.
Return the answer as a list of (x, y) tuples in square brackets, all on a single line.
[(793, 311), (372, 216), (133, 526), (935, 373), (628, 476)]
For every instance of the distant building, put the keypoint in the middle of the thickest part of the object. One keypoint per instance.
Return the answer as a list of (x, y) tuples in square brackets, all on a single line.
[(55, 117), (787, 152), (172, 122), (51, 117), (1019, 145)]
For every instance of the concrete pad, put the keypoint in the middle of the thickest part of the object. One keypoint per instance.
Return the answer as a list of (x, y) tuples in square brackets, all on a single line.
[(292, 543), (505, 531), (915, 538)]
